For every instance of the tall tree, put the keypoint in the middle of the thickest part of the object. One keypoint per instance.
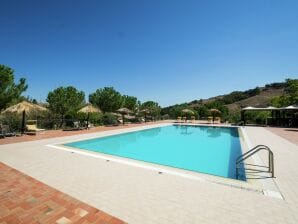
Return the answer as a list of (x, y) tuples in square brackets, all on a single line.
[(153, 108), (292, 90), (9, 90), (130, 102), (107, 99), (290, 97), (65, 100)]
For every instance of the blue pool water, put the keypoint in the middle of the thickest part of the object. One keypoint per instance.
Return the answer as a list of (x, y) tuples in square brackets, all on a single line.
[(211, 150)]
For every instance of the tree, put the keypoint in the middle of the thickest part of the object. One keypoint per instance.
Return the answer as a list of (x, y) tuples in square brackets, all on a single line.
[(290, 97), (218, 104), (202, 111), (9, 90), (292, 90), (65, 101), (280, 101), (130, 102), (107, 99), (153, 108)]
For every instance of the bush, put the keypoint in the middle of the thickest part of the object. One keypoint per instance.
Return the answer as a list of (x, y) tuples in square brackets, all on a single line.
[(13, 120), (94, 118), (234, 116), (165, 117), (256, 117), (109, 119), (261, 117)]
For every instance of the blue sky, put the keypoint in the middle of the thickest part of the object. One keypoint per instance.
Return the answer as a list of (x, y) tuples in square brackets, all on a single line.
[(167, 51)]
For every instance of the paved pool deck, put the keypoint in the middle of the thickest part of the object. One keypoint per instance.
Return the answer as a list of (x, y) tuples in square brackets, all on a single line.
[(291, 134), (24, 199), (138, 194)]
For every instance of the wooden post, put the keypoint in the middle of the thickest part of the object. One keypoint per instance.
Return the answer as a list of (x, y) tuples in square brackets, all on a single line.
[(23, 122)]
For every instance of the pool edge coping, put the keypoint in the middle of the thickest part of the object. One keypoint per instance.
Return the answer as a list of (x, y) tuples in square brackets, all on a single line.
[(163, 169)]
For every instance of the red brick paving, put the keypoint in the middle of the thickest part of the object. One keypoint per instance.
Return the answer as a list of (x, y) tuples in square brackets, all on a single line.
[(60, 133), (291, 134), (25, 200)]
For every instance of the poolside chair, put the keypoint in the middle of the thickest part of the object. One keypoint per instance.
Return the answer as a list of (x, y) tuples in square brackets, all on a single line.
[(209, 119), (31, 128), (73, 126), (184, 119), (120, 120), (178, 119), (217, 119), (193, 118), (88, 125)]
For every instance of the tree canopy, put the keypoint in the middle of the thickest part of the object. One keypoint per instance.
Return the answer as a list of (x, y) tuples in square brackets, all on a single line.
[(153, 108), (65, 100), (292, 90), (130, 102), (10, 92), (290, 97), (107, 99)]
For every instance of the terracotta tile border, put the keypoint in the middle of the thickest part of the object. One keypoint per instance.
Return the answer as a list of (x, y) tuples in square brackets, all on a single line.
[(60, 133), (291, 134), (24, 199)]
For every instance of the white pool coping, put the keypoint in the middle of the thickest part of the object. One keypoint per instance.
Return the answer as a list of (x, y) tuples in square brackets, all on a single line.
[(172, 170), (139, 195)]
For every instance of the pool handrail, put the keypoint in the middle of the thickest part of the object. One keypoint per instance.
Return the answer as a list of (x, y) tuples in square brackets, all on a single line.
[(240, 159)]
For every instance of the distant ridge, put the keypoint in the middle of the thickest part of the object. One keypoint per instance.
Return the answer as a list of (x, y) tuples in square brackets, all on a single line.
[(257, 97)]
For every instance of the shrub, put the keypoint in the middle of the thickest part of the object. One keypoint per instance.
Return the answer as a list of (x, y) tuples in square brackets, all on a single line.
[(13, 120), (165, 117), (94, 118), (234, 116), (109, 119)]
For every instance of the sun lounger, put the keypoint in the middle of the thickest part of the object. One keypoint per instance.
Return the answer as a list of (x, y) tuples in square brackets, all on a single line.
[(76, 127), (32, 129), (193, 118)]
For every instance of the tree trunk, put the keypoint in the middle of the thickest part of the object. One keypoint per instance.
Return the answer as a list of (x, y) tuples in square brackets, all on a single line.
[(61, 122)]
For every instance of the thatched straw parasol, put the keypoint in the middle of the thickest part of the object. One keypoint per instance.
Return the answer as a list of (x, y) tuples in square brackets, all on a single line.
[(89, 109), (187, 111), (129, 117), (124, 111), (23, 108), (214, 112), (145, 111), (116, 114)]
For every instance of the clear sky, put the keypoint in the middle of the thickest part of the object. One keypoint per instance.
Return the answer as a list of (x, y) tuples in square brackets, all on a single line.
[(167, 51)]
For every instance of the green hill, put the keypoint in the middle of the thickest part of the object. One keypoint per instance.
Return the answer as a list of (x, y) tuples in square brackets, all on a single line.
[(257, 97)]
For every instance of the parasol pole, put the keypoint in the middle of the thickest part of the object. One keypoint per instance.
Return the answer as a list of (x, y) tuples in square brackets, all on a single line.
[(23, 122)]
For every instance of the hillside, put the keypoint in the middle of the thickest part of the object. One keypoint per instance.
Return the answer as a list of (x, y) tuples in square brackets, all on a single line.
[(257, 97), (260, 100)]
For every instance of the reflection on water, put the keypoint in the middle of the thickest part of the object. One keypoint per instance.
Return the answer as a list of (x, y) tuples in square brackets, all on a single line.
[(214, 132), (149, 133), (180, 146), (184, 129)]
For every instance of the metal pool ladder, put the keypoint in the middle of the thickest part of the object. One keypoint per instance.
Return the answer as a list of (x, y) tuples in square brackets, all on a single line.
[(255, 171)]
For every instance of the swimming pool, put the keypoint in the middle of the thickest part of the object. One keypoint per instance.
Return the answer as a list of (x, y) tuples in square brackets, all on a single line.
[(211, 150)]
